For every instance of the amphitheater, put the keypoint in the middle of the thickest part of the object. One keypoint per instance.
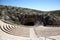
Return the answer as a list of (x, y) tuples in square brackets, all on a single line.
[(21, 32)]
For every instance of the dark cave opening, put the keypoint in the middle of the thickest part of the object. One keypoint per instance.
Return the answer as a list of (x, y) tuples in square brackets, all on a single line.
[(28, 21), (29, 24)]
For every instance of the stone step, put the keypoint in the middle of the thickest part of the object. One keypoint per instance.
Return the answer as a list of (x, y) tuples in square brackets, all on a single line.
[(3, 29), (8, 27)]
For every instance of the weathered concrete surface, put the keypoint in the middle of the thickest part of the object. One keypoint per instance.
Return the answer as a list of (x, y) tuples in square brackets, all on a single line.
[(30, 33)]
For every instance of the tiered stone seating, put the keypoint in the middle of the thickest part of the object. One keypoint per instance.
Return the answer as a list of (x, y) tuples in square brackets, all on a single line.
[(6, 28), (17, 31), (7, 32), (39, 32)]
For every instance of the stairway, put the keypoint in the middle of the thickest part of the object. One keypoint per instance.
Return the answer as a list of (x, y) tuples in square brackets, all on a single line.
[(15, 30), (11, 32), (7, 28)]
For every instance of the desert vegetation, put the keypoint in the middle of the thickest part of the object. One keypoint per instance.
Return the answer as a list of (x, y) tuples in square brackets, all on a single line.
[(17, 15)]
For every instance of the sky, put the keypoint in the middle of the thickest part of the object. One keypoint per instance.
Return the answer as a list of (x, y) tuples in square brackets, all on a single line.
[(44, 5)]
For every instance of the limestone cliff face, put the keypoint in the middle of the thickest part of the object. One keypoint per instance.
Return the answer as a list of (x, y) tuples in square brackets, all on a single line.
[(19, 15)]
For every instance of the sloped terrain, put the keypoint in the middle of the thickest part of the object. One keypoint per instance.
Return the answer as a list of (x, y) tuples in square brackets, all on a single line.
[(19, 15)]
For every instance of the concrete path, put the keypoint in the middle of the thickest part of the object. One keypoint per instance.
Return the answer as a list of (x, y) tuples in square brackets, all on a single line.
[(33, 36)]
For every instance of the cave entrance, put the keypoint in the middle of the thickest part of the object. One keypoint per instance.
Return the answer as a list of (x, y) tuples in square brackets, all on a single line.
[(29, 22)]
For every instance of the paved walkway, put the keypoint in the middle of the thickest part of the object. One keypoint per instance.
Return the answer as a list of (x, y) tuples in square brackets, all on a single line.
[(33, 36)]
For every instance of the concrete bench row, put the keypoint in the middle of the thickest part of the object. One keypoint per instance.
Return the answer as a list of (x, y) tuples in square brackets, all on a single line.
[(7, 28)]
